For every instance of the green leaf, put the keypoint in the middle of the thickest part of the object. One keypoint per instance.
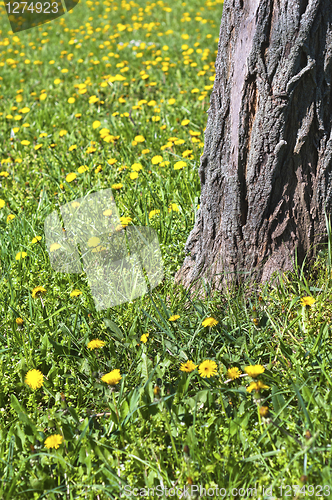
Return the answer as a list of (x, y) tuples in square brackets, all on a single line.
[(145, 365), (254, 458), (124, 409), (279, 403), (114, 328), (183, 384), (21, 434), (73, 413), (15, 404), (302, 404), (200, 398), (323, 331), (234, 427), (217, 456), (44, 346)]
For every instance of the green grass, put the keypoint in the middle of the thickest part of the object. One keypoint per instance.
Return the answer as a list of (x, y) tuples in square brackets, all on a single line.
[(137, 435)]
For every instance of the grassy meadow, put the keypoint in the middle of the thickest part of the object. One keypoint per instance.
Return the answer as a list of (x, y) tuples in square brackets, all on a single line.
[(229, 392)]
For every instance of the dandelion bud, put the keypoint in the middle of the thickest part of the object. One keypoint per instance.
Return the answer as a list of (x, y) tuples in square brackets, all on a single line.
[(63, 401), (189, 481), (263, 411), (303, 479), (19, 322), (308, 434), (156, 391)]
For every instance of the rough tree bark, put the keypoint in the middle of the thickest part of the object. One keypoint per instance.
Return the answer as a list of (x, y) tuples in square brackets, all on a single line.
[(266, 168)]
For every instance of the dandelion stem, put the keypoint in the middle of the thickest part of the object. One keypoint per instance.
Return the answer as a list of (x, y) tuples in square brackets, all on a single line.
[(259, 419), (169, 431), (75, 322), (223, 407), (303, 319), (118, 418)]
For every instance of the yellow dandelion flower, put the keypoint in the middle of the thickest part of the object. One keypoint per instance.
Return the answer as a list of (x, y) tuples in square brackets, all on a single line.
[(254, 370), (210, 322), (53, 441), (20, 255), (233, 373), (156, 159), (185, 122), (133, 175), (144, 338), (136, 167), (139, 138), (4, 174), (125, 221), (25, 142), (71, 177), (174, 317), (208, 368), (19, 322), (10, 217), (112, 378), (179, 165), (173, 207), (34, 379), (63, 132), (72, 147), (94, 344), (308, 301), (93, 99), (38, 291), (257, 386), (93, 241), (188, 366), (54, 247), (96, 124), (117, 186), (153, 213), (82, 168), (75, 293)]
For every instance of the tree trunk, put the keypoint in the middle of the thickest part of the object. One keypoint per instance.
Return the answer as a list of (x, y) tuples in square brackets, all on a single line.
[(266, 167)]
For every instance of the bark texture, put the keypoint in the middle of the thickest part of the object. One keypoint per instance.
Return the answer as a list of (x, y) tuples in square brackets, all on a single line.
[(266, 168)]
